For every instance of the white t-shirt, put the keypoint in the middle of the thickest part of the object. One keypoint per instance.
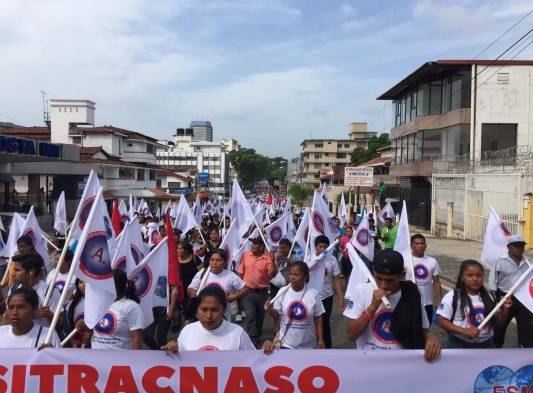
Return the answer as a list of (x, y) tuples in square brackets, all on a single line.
[(472, 319), (113, 331), (332, 270), (301, 307), (28, 340), (227, 280), (60, 282), (425, 269), (228, 336), (41, 287), (377, 334)]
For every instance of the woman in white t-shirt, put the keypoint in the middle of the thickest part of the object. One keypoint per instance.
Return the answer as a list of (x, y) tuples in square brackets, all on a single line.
[(61, 278), (122, 325), (463, 309), (211, 332), (74, 319), (22, 332), (218, 275), (299, 309)]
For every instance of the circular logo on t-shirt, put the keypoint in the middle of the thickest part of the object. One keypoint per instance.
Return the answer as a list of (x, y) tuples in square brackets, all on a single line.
[(476, 316), (362, 237), (297, 311), (143, 282), (59, 285), (275, 234), (318, 222), (108, 324), (208, 348), (421, 272), (95, 261), (85, 210), (531, 288), (381, 327), (214, 284)]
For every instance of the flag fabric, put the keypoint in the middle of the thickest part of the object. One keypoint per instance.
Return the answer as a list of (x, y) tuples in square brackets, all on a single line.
[(524, 292), (495, 241), (116, 219), (324, 192), (343, 213), (197, 210), (317, 266), (139, 248), (145, 209), (322, 222), (32, 229), (152, 233), (93, 262), (403, 244), (227, 207), (158, 213), (174, 208), (209, 208), (240, 210), (278, 230), (386, 212), (60, 216), (150, 278), (291, 229), (303, 230), (15, 231), (132, 208), (288, 205), (86, 203), (3, 248), (2, 225), (232, 242), (123, 211), (174, 267), (360, 273), (185, 219), (123, 256), (363, 240)]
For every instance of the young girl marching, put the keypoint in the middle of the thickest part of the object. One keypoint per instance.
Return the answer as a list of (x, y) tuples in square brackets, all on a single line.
[(463, 309)]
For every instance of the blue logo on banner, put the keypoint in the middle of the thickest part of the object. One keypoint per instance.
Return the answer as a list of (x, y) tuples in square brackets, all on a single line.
[(95, 261), (381, 327), (502, 379), (107, 324), (297, 311)]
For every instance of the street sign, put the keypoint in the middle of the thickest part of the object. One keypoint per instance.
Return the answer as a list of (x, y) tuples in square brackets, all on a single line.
[(202, 176), (358, 176)]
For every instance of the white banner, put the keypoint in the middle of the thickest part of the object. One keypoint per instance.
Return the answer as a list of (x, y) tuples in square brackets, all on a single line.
[(309, 371), (355, 176)]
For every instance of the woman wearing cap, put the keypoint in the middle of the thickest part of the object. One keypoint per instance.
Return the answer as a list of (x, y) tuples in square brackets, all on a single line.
[(403, 324)]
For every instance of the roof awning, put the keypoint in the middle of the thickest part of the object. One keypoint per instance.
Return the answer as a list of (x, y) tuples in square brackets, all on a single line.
[(140, 193)]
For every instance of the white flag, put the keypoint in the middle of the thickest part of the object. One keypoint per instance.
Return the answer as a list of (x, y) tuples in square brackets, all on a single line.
[(123, 257), (132, 208), (15, 231), (278, 229), (139, 248), (322, 222), (197, 210), (232, 243), (291, 229), (495, 242), (151, 280), (32, 229), (86, 203), (363, 240), (288, 205), (2, 225), (145, 209), (93, 262), (317, 267), (360, 273), (524, 292), (303, 230), (123, 210), (386, 212), (60, 217), (240, 210), (403, 244), (324, 193), (343, 214), (185, 220)]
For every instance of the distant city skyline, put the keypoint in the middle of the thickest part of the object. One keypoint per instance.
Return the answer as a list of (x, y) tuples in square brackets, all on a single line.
[(266, 73)]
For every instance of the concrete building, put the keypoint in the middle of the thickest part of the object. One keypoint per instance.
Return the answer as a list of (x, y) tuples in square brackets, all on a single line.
[(202, 131), (293, 170), (320, 157), (208, 160), (231, 145), (443, 112)]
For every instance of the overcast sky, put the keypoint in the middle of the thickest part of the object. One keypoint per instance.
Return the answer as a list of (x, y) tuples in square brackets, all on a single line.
[(267, 73)]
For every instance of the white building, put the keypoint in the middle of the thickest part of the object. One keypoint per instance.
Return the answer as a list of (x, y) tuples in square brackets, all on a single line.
[(202, 131)]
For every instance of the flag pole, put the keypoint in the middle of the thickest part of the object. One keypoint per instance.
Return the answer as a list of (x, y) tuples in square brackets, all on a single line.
[(69, 337), (507, 296), (49, 242)]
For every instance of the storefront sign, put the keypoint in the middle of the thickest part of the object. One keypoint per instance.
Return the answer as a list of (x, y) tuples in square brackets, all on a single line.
[(358, 176), (29, 147)]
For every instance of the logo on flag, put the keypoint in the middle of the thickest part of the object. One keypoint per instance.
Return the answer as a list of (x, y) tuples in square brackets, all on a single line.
[(476, 316), (501, 233), (143, 282), (318, 222), (421, 272), (108, 230), (275, 234), (297, 311), (108, 324), (85, 210), (95, 261), (381, 327), (138, 256)]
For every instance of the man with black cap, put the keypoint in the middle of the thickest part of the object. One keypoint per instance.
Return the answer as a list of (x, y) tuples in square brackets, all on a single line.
[(256, 269), (403, 324), (506, 271)]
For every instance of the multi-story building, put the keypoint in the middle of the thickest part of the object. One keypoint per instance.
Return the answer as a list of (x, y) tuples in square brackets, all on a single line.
[(293, 170), (454, 108), (202, 131), (324, 158), (209, 160), (231, 145)]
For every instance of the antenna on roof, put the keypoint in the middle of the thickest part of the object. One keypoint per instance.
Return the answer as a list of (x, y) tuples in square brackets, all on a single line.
[(46, 113)]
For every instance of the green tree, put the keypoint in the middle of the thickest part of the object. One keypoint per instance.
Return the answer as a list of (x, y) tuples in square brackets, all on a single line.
[(299, 194), (360, 156), (252, 167)]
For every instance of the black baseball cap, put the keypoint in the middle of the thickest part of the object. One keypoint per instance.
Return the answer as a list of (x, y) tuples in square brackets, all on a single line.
[(388, 262)]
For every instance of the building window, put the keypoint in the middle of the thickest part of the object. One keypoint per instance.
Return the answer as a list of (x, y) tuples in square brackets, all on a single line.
[(151, 174), (339, 145), (435, 98), (126, 173), (140, 174), (76, 140), (318, 155), (446, 95), (347, 145), (149, 148), (130, 144), (497, 136), (59, 109), (319, 145), (422, 100), (503, 78), (329, 143), (341, 155)]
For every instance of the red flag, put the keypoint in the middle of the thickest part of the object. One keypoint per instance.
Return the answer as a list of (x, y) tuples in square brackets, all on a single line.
[(269, 199), (116, 219), (174, 273)]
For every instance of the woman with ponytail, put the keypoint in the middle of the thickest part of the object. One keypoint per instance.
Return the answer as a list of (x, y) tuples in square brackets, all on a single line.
[(463, 309), (121, 327)]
